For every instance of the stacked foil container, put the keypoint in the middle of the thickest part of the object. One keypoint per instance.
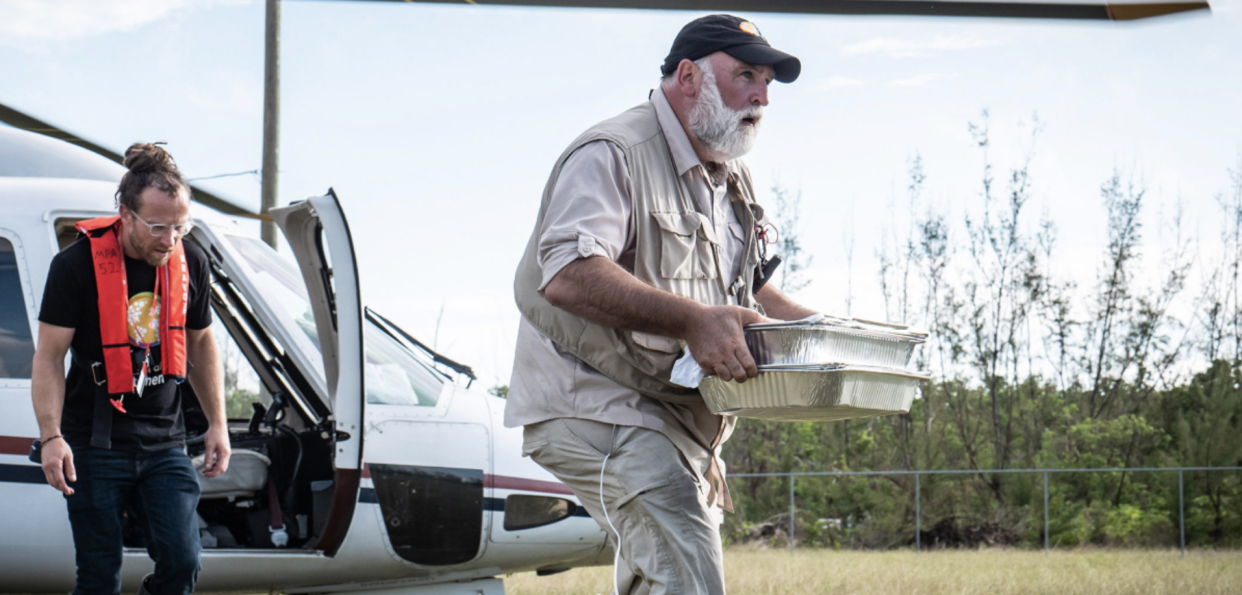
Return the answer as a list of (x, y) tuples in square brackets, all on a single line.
[(823, 369)]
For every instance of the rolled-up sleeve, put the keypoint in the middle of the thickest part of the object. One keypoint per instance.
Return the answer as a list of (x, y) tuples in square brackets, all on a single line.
[(590, 210)]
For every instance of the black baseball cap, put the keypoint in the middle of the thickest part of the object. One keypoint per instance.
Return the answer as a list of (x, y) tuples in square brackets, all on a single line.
[(732, 35)]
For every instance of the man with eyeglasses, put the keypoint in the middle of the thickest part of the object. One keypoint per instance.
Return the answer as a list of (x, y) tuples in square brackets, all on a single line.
[(130, 300)]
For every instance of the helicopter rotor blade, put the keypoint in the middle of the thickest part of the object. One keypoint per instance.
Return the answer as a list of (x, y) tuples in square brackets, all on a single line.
[(27, 122), (1114, 11)]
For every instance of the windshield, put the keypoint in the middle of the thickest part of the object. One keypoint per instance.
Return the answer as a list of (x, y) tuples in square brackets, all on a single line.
[(280, 284), (394, 376)]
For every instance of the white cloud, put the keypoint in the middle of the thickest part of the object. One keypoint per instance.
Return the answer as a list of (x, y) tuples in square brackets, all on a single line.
[(63, 20), (837, 82), (907, 48), (921, 79)]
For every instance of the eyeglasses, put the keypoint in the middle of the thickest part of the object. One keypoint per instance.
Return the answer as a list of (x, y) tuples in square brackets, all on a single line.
[(159, 229)]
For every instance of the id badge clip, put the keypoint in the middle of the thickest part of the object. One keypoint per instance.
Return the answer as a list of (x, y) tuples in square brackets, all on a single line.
[(142, 374), (140, 383)]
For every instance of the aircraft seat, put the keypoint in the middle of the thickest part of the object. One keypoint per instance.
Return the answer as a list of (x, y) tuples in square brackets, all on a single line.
[(246, 475)]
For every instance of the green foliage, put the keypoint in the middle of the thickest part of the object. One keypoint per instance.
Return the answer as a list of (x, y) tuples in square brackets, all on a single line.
[(237, 404), (1131, 525), (1191, 425)]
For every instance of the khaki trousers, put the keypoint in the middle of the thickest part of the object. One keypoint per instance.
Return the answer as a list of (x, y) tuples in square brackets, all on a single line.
[(669, 535)]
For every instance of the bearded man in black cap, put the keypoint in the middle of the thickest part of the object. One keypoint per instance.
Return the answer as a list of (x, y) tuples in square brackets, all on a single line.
[(647, 247)]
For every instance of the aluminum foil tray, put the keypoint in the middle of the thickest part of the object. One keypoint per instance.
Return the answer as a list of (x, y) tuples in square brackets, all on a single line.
[(797, 344), (815, 393)]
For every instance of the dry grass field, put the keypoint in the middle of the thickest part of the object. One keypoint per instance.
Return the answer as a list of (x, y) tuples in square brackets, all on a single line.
[(988, 572)]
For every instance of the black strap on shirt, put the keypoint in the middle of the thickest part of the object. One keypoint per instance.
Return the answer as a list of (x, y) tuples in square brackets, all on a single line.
[(101, 426), (101, 422)]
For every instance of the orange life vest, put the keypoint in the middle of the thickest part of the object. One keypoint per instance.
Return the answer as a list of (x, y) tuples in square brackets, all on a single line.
[(172, 288)]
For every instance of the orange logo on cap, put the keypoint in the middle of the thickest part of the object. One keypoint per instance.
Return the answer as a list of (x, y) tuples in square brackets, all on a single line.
[(749, 27)]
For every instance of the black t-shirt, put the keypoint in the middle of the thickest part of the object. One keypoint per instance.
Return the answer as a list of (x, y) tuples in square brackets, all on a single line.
[(70, 300)]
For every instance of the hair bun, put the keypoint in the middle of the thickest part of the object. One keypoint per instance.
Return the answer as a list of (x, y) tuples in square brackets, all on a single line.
[(150, 166), (148, 157)]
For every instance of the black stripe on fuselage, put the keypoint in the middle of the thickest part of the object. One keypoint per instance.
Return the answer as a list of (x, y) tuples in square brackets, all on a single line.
[(22, 474), (367, 496)]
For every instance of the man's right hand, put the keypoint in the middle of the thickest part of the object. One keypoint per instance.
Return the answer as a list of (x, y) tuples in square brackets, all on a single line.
[(58, 465), (715, 337)]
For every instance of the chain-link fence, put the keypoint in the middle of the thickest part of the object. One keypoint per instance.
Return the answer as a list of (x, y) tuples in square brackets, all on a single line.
[(1151, 512)]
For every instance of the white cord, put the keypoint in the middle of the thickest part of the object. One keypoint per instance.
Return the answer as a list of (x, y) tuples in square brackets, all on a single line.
[(616, 555)]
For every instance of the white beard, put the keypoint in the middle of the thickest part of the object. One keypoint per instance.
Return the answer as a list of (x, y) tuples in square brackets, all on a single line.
[(718, 127)]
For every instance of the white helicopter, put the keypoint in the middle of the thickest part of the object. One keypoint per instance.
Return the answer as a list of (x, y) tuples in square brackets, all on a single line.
[(386, 470), (367, 464)]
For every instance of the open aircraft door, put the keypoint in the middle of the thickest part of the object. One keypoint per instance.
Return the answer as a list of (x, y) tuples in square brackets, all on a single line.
[(304, 335), (319, 237)]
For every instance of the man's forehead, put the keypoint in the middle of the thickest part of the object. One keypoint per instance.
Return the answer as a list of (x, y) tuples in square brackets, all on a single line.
[(156, 203), (733, 64), (156, 194)]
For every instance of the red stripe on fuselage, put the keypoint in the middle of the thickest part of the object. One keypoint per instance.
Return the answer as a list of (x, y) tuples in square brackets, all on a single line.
[(12, 445), (505, 482)]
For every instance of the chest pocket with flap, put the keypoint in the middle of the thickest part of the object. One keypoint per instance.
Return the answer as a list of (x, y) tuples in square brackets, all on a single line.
[(686, 246)]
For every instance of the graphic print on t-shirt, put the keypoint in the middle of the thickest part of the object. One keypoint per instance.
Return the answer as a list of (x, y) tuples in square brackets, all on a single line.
[(143, 319)]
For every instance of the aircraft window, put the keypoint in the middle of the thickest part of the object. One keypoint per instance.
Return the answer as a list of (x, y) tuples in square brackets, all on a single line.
[(527, 512), (66, 232), (241, 383), (393, 375), (16, 343), (282, 288)]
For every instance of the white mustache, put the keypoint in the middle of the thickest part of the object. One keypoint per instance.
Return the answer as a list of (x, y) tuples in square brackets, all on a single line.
[(754, 111)]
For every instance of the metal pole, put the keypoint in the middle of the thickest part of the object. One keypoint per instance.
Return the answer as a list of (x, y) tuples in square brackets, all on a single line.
[(1045, 513), (1181, 510), (918, 516), (271, 119), (791, 513)]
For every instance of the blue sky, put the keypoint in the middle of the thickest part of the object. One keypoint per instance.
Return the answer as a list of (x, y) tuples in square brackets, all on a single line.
[(438, 124)]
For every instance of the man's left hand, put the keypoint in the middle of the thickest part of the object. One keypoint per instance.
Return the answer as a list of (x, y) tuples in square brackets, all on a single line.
[(218, 451)]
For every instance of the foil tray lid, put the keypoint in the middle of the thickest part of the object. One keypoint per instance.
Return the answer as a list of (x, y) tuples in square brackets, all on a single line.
[(853, 325), (821, 368), (816, 393)]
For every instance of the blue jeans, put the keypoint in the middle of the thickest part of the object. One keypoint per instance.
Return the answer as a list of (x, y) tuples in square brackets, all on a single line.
[(162, 485)]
